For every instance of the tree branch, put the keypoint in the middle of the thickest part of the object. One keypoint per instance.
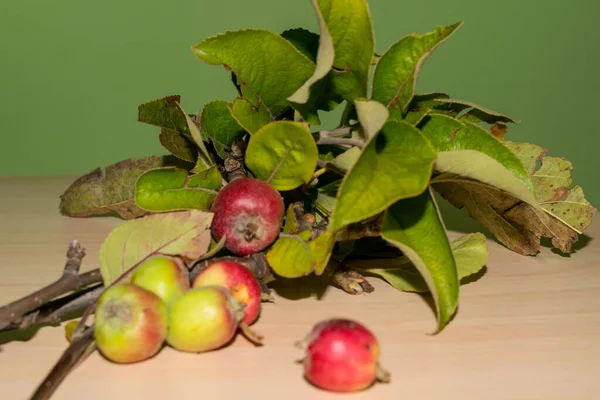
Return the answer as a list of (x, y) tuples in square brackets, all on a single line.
[(332, 167), (54, 311), (79, 348), (340, 141), (360, 230), (70, 280), (336, 132)]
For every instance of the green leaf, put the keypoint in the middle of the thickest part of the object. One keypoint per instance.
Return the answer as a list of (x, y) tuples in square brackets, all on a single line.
[(398, 69), (251, 118), (441, 103), (164, 113), (372, 116), (282, 153), (345, 24), (170, 189), (217, 123), (321, 249), (346, 160), (290, 256), (415, 227), (292, 224), (112, 189), (178, 144), (197, 136), (185, 234), (283, 69), (305, 41), (423, 104), (472, 112), (395, 164), (470, 253), (325, 199), (324, 59), (349, 24), (468, 151), (552, 176), (294, 255)]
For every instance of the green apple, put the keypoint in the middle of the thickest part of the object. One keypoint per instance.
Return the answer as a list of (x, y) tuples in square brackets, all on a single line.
[(203, 319), (130, 323), (164, 276)]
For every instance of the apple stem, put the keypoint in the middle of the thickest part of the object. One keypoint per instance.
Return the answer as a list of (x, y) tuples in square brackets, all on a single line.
[(250, 334), (382, 374)]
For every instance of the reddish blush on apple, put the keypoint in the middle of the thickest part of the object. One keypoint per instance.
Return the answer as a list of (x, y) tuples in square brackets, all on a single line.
[(239, 280), (249, 213), (342, 356), (130, 323)]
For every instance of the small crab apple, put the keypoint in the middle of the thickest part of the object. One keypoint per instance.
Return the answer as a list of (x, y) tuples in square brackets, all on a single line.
[(130, 323), (342, 356), (249, 213), (239, 280), (204, 319), (164, 276)]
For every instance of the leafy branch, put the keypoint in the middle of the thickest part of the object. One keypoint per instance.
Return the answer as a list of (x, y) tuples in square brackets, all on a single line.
[(364, 186)]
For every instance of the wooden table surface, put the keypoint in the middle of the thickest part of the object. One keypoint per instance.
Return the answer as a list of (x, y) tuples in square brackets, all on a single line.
[(528, 329)]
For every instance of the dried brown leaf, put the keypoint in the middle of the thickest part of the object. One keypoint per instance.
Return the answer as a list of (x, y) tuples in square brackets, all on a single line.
[(499, 130), (112, 190), (564, 212)]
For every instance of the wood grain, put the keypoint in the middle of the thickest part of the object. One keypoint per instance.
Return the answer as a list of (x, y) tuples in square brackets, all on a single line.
[(528, 329)]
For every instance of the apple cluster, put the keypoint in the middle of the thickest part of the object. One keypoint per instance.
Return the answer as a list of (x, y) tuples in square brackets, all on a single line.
[(161, 305)]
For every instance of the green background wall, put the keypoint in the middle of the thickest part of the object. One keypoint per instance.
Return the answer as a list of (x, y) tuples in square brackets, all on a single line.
[(74, 71)]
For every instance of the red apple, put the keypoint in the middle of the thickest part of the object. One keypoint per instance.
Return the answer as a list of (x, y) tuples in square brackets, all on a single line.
[(249, 213), (342, 356), (239, 280), (130, 323)]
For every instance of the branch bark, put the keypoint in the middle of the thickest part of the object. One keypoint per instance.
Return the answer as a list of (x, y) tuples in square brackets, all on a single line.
[(360, 230), (54, 311), (70, 280), (340, 141), (331, 167), (336, 132)]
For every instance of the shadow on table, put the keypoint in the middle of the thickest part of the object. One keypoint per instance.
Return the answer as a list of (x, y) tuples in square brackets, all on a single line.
[(301, 288), (21, 335), (26, 334), (584, 241)]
